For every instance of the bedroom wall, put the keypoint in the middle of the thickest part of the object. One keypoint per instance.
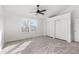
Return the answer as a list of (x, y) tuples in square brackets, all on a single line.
[(1, 28), (12, 30)]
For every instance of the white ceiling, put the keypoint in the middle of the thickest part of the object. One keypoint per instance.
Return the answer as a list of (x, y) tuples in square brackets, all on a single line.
[(27, 9)]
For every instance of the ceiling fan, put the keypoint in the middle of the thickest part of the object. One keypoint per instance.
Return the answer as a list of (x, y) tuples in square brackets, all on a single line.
[(38, 11)]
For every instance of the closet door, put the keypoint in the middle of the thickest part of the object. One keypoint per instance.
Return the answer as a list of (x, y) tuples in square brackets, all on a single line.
[(76, 30), (50, 28), (61, 29)]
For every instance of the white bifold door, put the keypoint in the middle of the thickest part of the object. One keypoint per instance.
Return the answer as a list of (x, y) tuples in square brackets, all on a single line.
[(50, 28), (60, 27)]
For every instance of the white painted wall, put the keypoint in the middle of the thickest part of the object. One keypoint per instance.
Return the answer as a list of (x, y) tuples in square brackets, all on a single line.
[(60, 27), (74, 9), (12, 27), (1, 28)]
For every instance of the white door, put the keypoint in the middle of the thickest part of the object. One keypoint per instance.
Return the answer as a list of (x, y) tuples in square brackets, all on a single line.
[(61, 29), (50, 28), (77, 30)]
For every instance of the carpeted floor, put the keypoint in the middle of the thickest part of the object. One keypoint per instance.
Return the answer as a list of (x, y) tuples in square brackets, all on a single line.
[(41, 45)]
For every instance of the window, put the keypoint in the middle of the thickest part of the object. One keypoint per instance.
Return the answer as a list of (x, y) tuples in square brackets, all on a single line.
[(29, 25), (33, 25), (25, 26)]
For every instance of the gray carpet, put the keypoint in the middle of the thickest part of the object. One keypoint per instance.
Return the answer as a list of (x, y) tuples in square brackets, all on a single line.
[(47, 45)]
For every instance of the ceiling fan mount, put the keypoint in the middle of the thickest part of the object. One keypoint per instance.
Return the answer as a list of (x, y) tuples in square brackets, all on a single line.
[(37, 5)]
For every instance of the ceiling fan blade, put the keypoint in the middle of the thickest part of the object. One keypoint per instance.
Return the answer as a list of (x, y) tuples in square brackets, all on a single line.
[(41, 13), (43, 10)]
